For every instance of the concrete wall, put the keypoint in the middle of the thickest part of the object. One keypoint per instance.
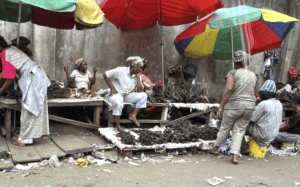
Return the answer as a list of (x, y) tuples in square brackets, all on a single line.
[(107, 47)]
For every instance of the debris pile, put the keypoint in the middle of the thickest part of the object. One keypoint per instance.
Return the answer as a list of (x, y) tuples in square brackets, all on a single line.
[(184, 132), (183, 92), (127, 138)]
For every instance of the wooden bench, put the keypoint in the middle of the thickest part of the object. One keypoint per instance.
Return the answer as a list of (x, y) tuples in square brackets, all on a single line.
[(11, 104), (163, 121)]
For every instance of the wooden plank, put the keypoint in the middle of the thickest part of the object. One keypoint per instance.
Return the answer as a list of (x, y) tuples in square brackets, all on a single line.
[(3, 147), (144, 121), (208, 118), (71, 144), (95, 139), (23, 154), (191, 115), (56, 118), (46, 148), (164, 114), (97, 111), (7, 123), (91, 103), (73, 122), (2, 130)]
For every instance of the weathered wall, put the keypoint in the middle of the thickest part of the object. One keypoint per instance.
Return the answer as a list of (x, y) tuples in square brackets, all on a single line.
[(107, 47)]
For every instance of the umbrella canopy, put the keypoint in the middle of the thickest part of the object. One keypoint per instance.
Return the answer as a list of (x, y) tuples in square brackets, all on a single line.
[(59, 14), (214, 34), (139, 14)]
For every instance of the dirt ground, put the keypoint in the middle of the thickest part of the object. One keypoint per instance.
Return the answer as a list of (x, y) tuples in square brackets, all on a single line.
[(272, 171)]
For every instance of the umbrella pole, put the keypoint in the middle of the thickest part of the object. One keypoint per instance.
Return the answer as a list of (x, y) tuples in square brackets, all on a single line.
[(19, 23), (162, 49), (232, 52), (18, 41)]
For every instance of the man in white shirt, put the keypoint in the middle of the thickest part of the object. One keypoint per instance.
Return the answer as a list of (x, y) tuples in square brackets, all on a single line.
[(126, 86)]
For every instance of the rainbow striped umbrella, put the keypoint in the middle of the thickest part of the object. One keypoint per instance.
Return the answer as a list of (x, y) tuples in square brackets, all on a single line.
[(219, 33)]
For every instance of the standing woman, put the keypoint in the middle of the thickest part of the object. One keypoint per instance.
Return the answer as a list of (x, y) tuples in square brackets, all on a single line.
[(33, 83), (237, 105)]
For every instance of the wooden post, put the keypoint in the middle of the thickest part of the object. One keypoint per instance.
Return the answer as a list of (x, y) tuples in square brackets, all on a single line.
[(8, 124), (164, 113), (97, 111), (208, 118)]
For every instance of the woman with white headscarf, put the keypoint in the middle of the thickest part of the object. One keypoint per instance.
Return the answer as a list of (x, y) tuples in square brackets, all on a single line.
[(81, 75), (237, 105)]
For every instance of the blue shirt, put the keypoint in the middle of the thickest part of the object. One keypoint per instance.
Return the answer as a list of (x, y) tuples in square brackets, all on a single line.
[(268, 118), (122, 81)]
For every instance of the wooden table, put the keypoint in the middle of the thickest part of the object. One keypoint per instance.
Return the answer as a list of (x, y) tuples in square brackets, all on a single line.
[(11, 104), (163, 121)]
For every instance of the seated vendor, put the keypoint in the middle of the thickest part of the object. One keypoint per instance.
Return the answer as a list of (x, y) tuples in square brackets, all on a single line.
[(291, 87), (147, 83), (81, 75), (289, 131), (266, 119), (126, 86)]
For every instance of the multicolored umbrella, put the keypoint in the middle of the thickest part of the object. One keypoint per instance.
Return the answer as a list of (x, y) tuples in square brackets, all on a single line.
[(214, 34), (59, 14), (140, 14)]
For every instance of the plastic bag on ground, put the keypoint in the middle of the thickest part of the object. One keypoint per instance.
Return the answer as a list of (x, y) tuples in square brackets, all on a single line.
[(215, 181), (54, 162)]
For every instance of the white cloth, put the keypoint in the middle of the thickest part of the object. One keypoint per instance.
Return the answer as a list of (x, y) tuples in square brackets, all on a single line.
[(122, 81), (82, 81), (33, 126), (289, 89), (117, 100)]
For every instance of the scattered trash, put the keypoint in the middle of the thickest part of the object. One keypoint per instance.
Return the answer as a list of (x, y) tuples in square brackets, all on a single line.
[(215, 181), (98, 155), (127, 159), (44, 163), (24, 167), (266, 160), (82, 162), (178, 161), (228, 177), (77, 155), (54, 162), (100, 162), (4, 154), (296, 183), (98, 146), (174, 153), (109, 171), (143, 158), (134, 164), (9, 171), (71, 160), (6, 162), (90, 157), (135, 158)]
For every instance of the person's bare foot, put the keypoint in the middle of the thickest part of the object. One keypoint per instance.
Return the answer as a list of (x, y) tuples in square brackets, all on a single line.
[(235, 159), (214, 151), (133, 118), (119, 128), (18, 143)]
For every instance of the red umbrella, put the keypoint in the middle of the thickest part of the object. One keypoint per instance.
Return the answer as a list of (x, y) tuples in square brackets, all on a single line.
[(140, 14)]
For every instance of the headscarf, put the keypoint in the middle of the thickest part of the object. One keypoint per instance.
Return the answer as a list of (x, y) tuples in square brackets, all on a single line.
[(268, 86), (79, 62), (134, 60), (241, 56)]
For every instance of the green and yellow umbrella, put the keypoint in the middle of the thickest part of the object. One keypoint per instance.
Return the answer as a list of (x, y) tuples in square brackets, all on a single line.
[(218, 33)]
